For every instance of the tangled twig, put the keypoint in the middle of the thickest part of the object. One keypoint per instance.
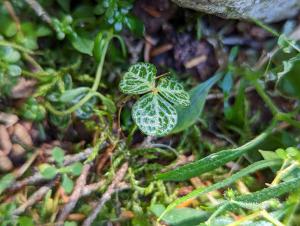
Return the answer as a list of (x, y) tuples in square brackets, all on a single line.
[(107, 195), (39, 10), (38, 178), (80, 183), (35, 197)]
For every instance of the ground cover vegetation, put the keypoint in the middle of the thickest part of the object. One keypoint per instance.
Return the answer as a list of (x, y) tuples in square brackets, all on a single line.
[(122, 112)]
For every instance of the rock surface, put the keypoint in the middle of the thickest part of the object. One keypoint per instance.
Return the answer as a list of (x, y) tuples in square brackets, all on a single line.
[(264, 10)]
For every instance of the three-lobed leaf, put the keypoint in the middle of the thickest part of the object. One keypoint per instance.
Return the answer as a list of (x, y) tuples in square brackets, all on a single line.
[(154, 115)]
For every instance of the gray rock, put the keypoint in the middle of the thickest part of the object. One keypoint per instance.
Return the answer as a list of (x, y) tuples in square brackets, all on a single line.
[(264, 10)]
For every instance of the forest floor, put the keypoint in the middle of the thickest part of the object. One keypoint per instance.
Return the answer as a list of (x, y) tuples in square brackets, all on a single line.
[(73, 155)]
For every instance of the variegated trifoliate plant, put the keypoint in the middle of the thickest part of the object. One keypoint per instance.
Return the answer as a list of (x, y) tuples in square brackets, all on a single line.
[(154, 112)]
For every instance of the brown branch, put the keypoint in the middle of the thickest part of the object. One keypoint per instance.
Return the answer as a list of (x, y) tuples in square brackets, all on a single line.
[(106, 155), (107, 195), (35, 197), (39, 10), (80, 183), (31, 180), (90, 188), (81, 156), (38, 178), (12, 14)]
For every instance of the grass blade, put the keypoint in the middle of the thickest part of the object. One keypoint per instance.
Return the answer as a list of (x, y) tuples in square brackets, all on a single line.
[(200, 191), (212, 161)]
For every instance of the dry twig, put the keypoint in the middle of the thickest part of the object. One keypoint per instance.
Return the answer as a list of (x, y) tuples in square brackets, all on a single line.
[(80, 183), (35, 197), (39, 10), (107, 195), (38, 178)]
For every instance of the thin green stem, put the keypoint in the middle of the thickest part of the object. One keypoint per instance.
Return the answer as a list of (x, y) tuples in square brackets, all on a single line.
[(278, 115), (71, 109), (266, 27), (282, 172), (287, 118), (270, 218), (288, 219), (33, 62), (275, 33), (266, 98), (15, 46), (92, 91), (246, 218)]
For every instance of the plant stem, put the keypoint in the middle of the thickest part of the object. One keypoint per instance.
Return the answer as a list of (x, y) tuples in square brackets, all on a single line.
[(246, 218), (275, 33), (287, 118), (283, 172), (266, 98), (15, 46), (162, 75), (71, 109), (290, 213), (92, 91), (267, 216)]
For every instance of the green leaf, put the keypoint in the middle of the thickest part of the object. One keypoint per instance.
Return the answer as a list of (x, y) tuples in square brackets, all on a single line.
[(135, 25), (6, 181), (101, 40), (285, 44), (187, 116), (81, 44), (181, 216), (25, 221), (268, 154), (70, 95), (204, 190), (70, 223), (75, 169), (289, 79), (32, 110), (271, 192), (48, 171), (154, 115), (58, 155), (108, 103), (139, 79), (14, 70), (67, 184), (211, 162), (173, 91), (9, 55), (261, 196)]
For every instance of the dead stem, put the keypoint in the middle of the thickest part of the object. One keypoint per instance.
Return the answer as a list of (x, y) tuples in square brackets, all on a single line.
[(107, 195), (80, 183)]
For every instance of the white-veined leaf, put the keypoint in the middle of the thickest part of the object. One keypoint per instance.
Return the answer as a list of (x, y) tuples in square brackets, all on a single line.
[(139, 79), (173, 91), (154, 115)]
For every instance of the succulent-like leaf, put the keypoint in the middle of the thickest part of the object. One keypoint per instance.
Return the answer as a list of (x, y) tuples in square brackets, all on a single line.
[(154, 115), (139, 79), (173, 91)]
